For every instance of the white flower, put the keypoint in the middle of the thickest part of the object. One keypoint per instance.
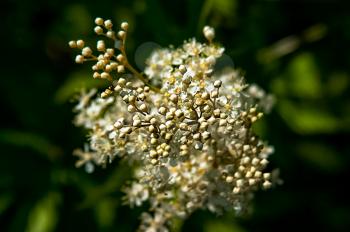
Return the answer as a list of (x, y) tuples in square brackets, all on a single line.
[(190, 138)]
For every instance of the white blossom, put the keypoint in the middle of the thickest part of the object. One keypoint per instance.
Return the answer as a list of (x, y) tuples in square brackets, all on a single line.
[(190, 137)]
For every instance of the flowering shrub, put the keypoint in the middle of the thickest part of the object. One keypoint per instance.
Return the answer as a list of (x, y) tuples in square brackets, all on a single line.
[(184, 127)]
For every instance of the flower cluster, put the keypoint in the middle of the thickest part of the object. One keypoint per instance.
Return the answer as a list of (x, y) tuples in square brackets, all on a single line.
[(185, 127)]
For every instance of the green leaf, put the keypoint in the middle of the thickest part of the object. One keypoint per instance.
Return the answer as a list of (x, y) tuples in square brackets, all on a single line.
[(113, 183), (260, 127), (78, 18), (304, 77), (219, 226), (6, 200), (105, 212), (307, 120), (75, 83), (44, 216), (31, 140), (338, 83), (279, 86), (225, 7), (319, 155)]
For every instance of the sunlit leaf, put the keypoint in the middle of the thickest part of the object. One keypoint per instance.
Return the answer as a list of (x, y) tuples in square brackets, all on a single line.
[(220, 226), (307, 120), (304, 77), (44, 216)]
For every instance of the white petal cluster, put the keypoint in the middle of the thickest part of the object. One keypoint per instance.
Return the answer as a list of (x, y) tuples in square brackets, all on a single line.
[(190, 138)]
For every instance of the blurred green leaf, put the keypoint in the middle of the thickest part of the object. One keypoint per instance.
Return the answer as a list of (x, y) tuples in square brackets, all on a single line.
[(6, 200), (43, 217), (105, 212), (319, 155), (31, 140), (206, 8), (74, 84), (338, 83), (220, 226), (260, 128), (315, 32), (139, 6), (279, 86), (307, 120), (290, 44), (304, 77), (157, 16), (111, 185), (225, 7), (78, 18), (278, 49), (176, 225)]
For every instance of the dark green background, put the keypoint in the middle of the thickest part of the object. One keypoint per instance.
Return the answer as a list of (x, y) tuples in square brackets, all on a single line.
[(297, 50)]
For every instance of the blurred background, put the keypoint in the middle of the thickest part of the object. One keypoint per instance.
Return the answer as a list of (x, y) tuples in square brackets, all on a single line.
[(297, 50)]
